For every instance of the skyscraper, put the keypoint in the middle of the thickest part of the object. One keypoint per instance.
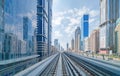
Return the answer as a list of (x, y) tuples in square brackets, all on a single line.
[(77, 39), (49, 25), (109, 13), (12, 43), (1, 16), (44, 28), (1, 29), (94, 41), (12, 13), (67, 46), (86, 44), (56, 44), (25, 28), (84, 29), (72, 44), (117, 37), (117, 34), (28, 34)]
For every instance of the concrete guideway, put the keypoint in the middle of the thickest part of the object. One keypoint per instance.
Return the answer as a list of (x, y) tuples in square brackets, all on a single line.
[(72, 68), (95, 67), (70, 64), (59, 67), (38, 68)]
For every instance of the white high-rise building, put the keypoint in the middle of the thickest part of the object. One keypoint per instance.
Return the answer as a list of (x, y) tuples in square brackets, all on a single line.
[(77, 39)]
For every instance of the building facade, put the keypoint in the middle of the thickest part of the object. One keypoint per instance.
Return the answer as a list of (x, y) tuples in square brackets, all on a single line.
[(1, 29), (72, 44), (25, 28), (86, 42), (109, 13), (13, 50), (84, 29), (77, 39), (28, 33), (44, 27), (49, 25), (67, 47), (56, 44), (12, 13), (94, 41), (1, 15), (117, 37)]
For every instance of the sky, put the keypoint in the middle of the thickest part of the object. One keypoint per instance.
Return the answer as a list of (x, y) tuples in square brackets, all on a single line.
[(67, 17)]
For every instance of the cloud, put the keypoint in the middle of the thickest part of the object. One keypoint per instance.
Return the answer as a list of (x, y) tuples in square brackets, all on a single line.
[(91, 20), (57, 21), (70, 30), (57, 34), (93, 13), (74, 21)]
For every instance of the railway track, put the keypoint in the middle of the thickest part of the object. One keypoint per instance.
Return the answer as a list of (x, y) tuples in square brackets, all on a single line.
[(92, 68), (50, 70), (67, 64), (71, 68)]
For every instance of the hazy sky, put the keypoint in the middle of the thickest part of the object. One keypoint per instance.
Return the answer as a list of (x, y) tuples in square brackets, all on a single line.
[(67, 16)]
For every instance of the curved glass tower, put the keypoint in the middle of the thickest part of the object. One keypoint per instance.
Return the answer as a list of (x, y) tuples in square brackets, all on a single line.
[(44, 28), (12, 32)]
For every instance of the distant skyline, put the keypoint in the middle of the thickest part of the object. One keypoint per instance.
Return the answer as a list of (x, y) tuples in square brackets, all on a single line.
[(67, 17)]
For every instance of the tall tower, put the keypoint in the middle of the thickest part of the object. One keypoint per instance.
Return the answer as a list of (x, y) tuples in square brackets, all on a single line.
[(25, 28), (49, 25), (1, 29), (56, 44), (67, 46), (84, 29), (77, 39), (44, 27), (72, 44), (109, 13)]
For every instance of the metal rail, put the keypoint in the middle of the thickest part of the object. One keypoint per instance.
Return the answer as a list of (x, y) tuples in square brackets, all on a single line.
[(91, 68), (50, 70), (72, 69)]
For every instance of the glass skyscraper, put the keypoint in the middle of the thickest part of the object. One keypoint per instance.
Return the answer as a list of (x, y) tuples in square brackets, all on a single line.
[(44, 27), (117, 37), (18, 19), (49, 25), (84, 29), (13, 29), (117, 34), (56, 44), (1, 29), (25, 28), (109, 13)]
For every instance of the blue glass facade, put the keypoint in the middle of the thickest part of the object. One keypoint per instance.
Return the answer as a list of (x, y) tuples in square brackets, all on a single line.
[(1, 16), (84, 29), (85, 26), (44, 17), (13, 42), (1, 29), (25, 28)]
